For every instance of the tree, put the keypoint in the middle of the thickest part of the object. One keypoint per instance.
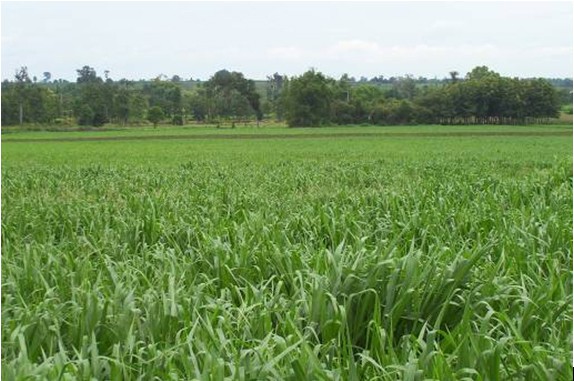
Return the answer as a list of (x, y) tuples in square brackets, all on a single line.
[(404, 88), (274, 90), (47, 76), (85, 115), (138, 107), (129, 104), (394, 112), (94, 94), (23, 81), (230, 95), (167, 96), (436, 105), (342, 112), (196, 103), (155, 115), (453, 76), (308, 100), (87, 74), (27, 102), (42, 104), (541, 99), (121, 105)]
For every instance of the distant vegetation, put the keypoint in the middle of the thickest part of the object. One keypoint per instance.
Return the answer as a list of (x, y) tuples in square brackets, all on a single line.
[(311, 99)]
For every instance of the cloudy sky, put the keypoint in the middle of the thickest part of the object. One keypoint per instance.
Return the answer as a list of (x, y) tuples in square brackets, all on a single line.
[(138, 40)]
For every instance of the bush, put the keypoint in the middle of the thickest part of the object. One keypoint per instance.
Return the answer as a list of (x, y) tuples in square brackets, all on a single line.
[(177, 120), (85, 115), (155, 115), (99, 119)]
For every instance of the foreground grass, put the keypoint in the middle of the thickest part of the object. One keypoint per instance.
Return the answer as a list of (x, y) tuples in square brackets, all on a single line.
[(360, 259)]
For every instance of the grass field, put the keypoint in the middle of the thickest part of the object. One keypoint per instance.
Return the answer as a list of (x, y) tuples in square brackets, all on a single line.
[(338, 257), (12, 133)]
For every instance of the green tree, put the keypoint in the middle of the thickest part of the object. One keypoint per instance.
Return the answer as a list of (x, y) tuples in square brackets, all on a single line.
[(87, 74), (138, 107), (196, 103), (167, 95), (26, 102), (231, 95), (308, 100), (435, 106), (121, 105), (453, 76), (85, 115), (96, 95), (10, 104), (541, 99), (22, 86), (274, 90), (394, 112), (404, 88), (342, 112), (155, 115), (42, 105)]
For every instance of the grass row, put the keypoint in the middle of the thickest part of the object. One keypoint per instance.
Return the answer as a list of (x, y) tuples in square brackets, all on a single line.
[(10, 133)]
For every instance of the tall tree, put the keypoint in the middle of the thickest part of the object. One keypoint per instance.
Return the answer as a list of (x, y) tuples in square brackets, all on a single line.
[(231, 95), (308, 100), (404, 88), (274, 90), (92, 107), (453, 76), (22, 81), (168, 96), (87, 74)]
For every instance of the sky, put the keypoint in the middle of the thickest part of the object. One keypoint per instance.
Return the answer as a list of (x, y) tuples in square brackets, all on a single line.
[(141, 40)]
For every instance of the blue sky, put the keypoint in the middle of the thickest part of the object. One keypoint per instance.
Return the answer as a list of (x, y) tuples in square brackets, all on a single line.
[(195, 39)]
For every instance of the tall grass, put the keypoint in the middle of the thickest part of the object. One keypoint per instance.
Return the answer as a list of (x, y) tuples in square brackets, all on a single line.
[(296, 269)]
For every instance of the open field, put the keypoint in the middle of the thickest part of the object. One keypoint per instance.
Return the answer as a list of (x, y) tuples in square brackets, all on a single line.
[(14, 134), (338, 257)]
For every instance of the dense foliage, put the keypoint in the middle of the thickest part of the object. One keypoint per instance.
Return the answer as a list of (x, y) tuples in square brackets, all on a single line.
[(483, 97), (311, 99), (329, 259)]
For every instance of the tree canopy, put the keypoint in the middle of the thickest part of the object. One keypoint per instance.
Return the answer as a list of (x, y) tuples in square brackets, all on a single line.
[(230, 95), (310, 99)]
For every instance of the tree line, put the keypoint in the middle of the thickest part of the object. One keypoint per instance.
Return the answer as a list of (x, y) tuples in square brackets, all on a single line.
[(481, 97), (311, 99)]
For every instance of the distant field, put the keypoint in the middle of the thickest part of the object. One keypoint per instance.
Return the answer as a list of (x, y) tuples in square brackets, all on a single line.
[(14, 134), (320, 256)]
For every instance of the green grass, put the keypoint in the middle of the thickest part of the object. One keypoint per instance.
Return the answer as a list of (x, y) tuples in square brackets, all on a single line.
[(348, 258), (15, 133)]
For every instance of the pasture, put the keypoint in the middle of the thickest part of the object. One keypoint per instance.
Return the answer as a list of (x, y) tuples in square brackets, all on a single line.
[(334, 257)]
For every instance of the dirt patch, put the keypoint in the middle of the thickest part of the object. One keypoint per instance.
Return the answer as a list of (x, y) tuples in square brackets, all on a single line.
[(298, 136)]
